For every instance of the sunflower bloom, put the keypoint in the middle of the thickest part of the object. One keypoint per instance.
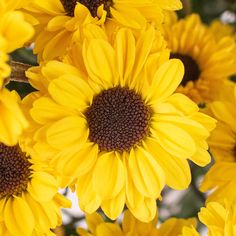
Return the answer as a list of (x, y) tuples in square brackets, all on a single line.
[(29, 202), (222, 179), (219, 219), (222, 141), (208, 59), (131, 226), (115, 126), (61, 22)]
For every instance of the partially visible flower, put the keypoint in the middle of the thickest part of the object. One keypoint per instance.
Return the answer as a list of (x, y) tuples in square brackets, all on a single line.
[(223, 139), (131, 226), (29, 202), (222, 176), (14, 32), (60, 23), (5, 69), (178, 227), (113, 125), (189, 231), (219, 218), (12, 119), (208, 60)]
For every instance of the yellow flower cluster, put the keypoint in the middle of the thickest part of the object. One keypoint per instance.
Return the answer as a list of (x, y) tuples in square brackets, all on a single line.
[(116, 116)]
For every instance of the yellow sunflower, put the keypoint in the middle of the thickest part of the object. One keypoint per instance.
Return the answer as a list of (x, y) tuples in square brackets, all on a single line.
[(29, 202), (222, 179), (208, 59), (131, 226), (219, 218), (60, 23), (222, 141), (115, 126), (14, 32)]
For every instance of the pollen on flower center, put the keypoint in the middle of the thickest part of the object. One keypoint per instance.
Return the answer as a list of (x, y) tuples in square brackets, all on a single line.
[(14, 171), (117, 119), (92, 5), (192, 71)]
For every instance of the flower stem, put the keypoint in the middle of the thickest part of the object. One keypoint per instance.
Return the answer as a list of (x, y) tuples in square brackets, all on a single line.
[(18, 71), (187, 7)]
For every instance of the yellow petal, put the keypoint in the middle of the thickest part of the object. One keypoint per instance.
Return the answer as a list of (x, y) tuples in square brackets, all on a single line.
[(125, 53), (12, 120), (66, 132), (128, 17), (57, 23), (100, 65), (166, 81), (143, 48), (133, 197), (16, 36), (108, 175), (147, 175), (55, 69), (146, 211), (46, 110), (71, 91), (108, 229), (114, 207), (42, 219), (201, 157), (51, 50), (80, 162), (18, 217), (89, 200), (224, 112), (171, 5), (51, 7), (183, 103), (195, 129), (2, 205), (43, 186), (93, 220), (213, 214), (174, 139), (177, 171)]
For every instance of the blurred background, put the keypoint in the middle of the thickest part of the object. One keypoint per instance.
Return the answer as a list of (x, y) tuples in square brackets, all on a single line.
[(175, 203)]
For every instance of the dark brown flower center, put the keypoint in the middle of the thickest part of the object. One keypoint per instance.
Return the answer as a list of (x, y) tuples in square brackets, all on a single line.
[(117, 119), (234, 153), (92, 5), (192, 71), (14, 171)]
